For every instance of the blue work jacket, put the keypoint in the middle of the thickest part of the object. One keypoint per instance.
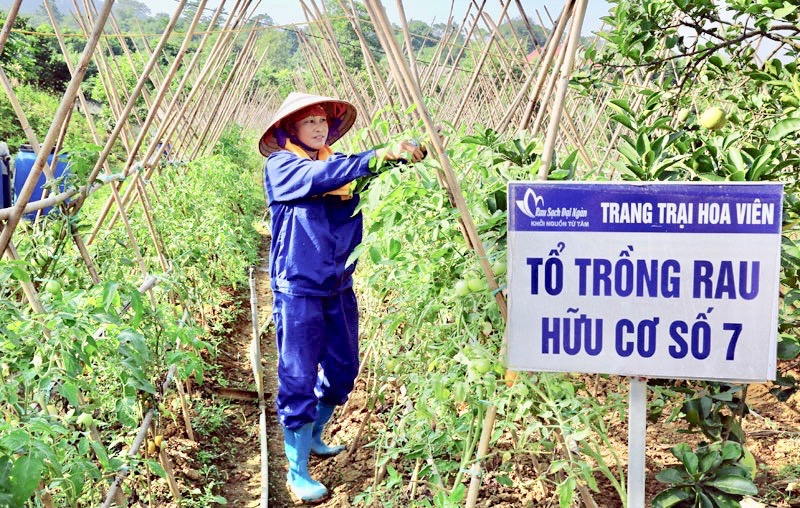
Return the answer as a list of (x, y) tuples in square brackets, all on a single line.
[(313, 235)]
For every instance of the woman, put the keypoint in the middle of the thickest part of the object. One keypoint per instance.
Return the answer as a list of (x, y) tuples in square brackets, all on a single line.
[(314, 231)]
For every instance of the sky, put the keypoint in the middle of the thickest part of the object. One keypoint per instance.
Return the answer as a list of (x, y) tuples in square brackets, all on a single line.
[(286, 12)]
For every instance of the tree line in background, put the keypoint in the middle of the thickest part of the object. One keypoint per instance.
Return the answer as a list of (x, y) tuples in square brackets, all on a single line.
[(35, 64)]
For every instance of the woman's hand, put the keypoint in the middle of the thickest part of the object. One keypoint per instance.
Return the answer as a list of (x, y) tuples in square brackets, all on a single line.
[(408, 151)]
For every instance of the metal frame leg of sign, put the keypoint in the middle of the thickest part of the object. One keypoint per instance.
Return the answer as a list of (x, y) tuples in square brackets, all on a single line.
[(637, 430)]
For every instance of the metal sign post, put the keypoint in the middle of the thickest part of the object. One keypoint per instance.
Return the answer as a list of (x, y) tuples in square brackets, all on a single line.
[(637, 433)]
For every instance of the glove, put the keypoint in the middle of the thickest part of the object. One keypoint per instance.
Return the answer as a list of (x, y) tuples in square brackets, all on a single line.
[(404, 151)]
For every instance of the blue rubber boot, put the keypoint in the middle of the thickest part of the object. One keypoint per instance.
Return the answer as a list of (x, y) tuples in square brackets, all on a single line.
[(298, 446), (318, 447)]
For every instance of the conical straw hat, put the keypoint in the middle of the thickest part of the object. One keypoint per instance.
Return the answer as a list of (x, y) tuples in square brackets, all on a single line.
[(337, 109)]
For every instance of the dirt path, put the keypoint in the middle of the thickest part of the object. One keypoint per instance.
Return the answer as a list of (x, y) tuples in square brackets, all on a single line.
[(239, 457)]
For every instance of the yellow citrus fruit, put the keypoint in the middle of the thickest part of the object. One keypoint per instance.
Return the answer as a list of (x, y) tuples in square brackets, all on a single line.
[(713, 118)]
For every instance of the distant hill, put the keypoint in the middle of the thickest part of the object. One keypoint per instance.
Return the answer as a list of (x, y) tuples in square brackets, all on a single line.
[(65, 6)]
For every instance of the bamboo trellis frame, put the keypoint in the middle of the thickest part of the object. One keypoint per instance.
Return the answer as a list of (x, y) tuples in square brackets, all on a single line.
[(191, 117)]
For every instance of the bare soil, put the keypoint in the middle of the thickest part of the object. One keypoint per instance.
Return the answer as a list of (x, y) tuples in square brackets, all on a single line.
[(773, 428)]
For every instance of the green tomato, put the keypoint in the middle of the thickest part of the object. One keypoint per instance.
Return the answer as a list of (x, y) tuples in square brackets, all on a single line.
[(39, 260), (476, 284), (499, 267), (53, 287), (461, 288), (482, 365)]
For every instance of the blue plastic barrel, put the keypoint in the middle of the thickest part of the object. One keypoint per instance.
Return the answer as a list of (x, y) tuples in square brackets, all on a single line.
[(5, 185), (23, 165)]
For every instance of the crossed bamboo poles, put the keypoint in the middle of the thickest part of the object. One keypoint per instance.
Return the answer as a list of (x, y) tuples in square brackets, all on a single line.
[(466, 82)]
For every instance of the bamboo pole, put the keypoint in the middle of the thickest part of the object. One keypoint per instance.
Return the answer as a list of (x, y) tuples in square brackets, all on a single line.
[(96, 138), (483, 448), (258, 375), (379, 16), (55, 127), (21, 116), (412, 64), (129, 106), (214, 64), (360, 101), (116, 94), (462, 49), (167, 129), (244, 80), (373, 69), (245, 53), (476, 72), (8, 25), (384, 39), (566, 71)]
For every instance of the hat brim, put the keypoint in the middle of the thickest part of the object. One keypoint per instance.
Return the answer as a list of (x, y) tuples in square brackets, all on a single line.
[(336, 108)]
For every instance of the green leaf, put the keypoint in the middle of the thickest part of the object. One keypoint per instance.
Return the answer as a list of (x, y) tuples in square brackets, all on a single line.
[(705, 501), (110, 292), (732, 484), (621, 105), (697, 410), (710, 461), (784, 11), (504, 480), (689, 459), (735, 158), (394, 248), (375, 254), (353, 257), (15, 441), (731, 450), (156, 468), (672, 475), (25, 477), (788, 348), (784, 128), (671, 497), (566, 491), (624, 120), (70, 392), (723, 500)]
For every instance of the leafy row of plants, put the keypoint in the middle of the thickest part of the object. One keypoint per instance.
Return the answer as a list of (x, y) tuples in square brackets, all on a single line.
[(97, 354), (441, 329)]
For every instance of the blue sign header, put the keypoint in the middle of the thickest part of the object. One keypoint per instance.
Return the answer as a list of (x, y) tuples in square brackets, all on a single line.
[(752, 208)]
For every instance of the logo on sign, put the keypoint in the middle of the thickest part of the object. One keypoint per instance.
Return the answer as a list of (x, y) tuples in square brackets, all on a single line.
[(530, 199)]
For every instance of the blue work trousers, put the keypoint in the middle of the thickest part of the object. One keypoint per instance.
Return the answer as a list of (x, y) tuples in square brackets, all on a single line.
[(317, 353)]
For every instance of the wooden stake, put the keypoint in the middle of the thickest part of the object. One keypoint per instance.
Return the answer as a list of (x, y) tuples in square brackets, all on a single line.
[(483, 447), (55, 127), (566, 71)]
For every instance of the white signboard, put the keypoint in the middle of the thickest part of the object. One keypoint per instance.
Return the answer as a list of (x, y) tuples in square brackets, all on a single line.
[(655, 280)]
